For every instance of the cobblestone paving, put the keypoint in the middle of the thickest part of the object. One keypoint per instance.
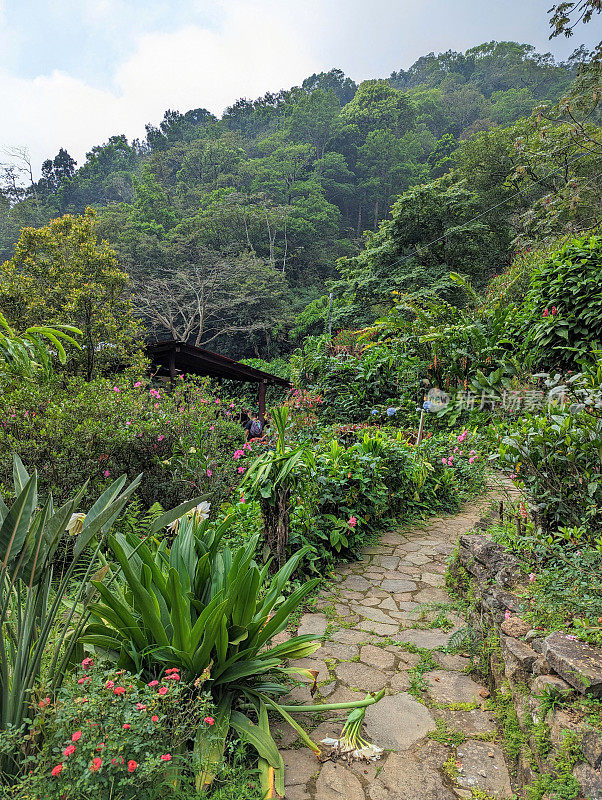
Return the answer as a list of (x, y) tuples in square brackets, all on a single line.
[(379, 611)]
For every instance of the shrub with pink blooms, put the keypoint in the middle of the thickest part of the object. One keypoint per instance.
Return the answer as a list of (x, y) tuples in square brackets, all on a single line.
[(68, 429), (108, 734)]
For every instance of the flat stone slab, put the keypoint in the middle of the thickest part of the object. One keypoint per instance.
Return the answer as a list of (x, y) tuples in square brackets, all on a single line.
[(452, 687), (398, 721), (403, 778), (377, 657), (577, 662), (342, 652), (375, 614), (361, 676), (483, 767), (348, 636), (429, 638), (356, 583), (299, 766), (431, 595), (397, 585), (312, 623), (387, 562), (470, 723), (337, 782), (379, 628)]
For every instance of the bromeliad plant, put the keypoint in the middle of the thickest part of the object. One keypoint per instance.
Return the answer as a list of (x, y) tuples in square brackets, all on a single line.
[(272, 479), (210, 613), (33, 621)]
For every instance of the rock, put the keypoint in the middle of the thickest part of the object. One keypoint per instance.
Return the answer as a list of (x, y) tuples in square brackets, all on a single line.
[(541, 666), (470, 723), (313, 664), (515, 627), (550, 684), (590, 781), (518, 658), (561, 721), (401, 682), (398, 721), (299, 766), (397, 585), (374, 614), (337, 782), (297, 793), (356, 583), (360, 676), (451, 687), (431, 595), (327, 689), (591, 744), (312, 623), (406, 660), (388, 604), (483, 771), (449, 661), (377, 657), (577, 662), (378, 627), (430, 638), (386, 562), (348, 636), (432, 579), (401, 777), (342, 652)]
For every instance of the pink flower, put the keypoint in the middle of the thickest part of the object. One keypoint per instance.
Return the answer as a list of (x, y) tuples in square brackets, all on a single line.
[(209, 721), (232, 405), (76, 736), (171, 670), (137, 384), (217, 401), (352, 522), (119, 690), (241, 470), (209, 473), (554, 311), (140, 707), (456, 449), (545, 313), (156, 405), (163, 690), (57, 770), (155, 718), (166, 757), (444, 462), (531, 577), (109, 685), (129, 422), (126, 726), (45, 702), (154, 683), (116, 389), (507, 614), (96, 764), (69, 750), (87, 662), (160, 438), (246, 446), (106, 473), (212, 427), (471, 460), (132, 765), (174, 677)]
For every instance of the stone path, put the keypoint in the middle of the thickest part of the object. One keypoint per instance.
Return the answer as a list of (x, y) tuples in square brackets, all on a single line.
[(386, 623)]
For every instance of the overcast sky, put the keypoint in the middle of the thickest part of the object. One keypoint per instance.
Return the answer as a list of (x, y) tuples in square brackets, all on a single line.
[(74, 72)]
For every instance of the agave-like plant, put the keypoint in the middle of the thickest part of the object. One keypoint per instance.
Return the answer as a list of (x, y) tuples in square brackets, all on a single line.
[(212, 612), (37, 635)]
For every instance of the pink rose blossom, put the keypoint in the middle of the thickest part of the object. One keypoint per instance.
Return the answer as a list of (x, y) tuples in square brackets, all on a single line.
[(507, 614)]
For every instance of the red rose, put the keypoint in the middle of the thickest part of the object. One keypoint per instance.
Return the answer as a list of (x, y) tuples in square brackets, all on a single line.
[(132, 765), (96, 764), (57, 770)]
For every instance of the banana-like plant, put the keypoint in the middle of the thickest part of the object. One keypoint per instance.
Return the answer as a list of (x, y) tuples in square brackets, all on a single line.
[(272, 478), (27, 354), (212, 612), (37, 636)]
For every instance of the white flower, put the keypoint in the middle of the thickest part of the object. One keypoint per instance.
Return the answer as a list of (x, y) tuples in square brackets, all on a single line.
[(75, 524)]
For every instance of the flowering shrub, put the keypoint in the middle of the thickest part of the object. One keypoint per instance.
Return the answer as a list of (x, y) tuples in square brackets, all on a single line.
[(108, 734), (181, 440)]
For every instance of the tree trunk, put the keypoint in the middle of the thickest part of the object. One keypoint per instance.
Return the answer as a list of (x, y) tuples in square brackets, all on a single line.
[(276, 526)]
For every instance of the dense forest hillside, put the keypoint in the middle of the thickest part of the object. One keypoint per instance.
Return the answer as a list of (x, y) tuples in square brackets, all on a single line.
[(230, 228)]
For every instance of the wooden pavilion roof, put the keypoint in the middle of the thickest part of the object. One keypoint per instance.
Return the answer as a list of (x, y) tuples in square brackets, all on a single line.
[(171, 356)]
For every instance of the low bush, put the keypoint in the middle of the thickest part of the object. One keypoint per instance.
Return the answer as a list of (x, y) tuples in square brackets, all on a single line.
[(107, 733), (182, 440)]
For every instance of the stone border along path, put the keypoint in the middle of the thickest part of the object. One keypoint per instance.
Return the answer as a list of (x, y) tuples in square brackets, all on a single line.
[(374, 601)]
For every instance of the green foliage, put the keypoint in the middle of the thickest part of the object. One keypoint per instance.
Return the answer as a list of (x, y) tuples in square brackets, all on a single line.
[(60, 274), (29, 354), (129, 745), (565, 304), (38, 634), (68, 428)]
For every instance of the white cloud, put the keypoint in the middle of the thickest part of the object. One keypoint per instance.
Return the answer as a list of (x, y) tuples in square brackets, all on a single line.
[(251, 53)]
